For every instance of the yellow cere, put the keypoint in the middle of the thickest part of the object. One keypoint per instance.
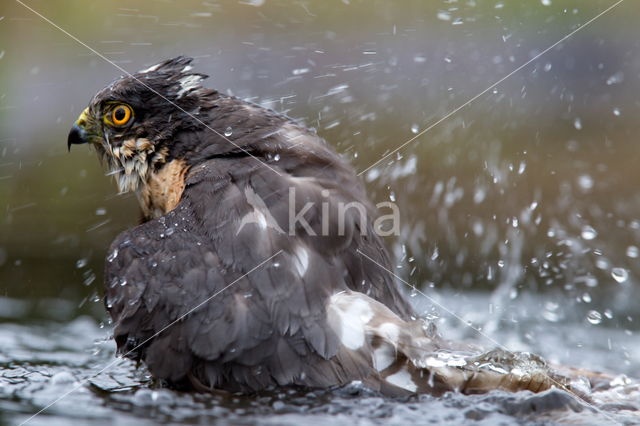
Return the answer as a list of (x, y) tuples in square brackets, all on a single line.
[(82, 119)]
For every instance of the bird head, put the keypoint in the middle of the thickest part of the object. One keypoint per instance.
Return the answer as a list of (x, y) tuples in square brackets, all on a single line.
[(134, 121)]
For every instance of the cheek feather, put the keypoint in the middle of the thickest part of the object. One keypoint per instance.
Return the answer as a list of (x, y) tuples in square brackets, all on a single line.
[(143, 145), (128, 148), (131, 162)]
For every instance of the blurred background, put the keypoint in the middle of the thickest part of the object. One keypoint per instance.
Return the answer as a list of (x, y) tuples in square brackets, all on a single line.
[(521, 212)]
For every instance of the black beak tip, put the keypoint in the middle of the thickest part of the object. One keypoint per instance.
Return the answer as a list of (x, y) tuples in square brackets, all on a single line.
[(76, 136)]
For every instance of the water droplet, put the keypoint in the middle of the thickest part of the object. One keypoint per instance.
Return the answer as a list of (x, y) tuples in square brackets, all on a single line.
[(620, 274), (101, 211), (513, 293), (588, 233), (372, 175), (169, 231), (547, 67), (444, 15), (300, 71), (228, 131), (602, 263), (577, 123), (415, 129), (632, 252), (89, 279), (81, 263), (585, 182), (617, 112), (615, 78), (590, 281), (112, 256), (551, 315), (594, 317), (546, 2)]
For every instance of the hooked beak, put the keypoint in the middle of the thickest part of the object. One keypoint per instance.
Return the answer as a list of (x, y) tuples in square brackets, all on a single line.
[(78, 134)]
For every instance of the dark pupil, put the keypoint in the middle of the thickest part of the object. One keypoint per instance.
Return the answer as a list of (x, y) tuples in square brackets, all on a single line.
[(120, 114)]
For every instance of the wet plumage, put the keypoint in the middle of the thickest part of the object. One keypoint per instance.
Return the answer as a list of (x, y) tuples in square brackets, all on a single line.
[(214, 176)]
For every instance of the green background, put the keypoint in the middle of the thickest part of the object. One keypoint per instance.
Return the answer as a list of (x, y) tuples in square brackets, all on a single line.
[(559, 135)]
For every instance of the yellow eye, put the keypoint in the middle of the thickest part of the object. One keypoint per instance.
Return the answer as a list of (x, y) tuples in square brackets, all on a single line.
[(121, 115)]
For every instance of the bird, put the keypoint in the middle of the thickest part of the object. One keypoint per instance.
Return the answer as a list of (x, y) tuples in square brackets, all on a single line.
[(217, 290)]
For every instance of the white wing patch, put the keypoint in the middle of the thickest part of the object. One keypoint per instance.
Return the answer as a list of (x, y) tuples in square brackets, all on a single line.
[(393, 344), (402, 379), (383, 357), (350, 315), (390, 332)]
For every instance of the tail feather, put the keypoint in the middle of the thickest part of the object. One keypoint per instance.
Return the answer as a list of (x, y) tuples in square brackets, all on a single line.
[(409, 357)]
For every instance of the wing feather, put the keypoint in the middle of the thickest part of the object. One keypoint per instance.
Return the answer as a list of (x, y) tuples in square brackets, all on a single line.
[(268, 327)]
